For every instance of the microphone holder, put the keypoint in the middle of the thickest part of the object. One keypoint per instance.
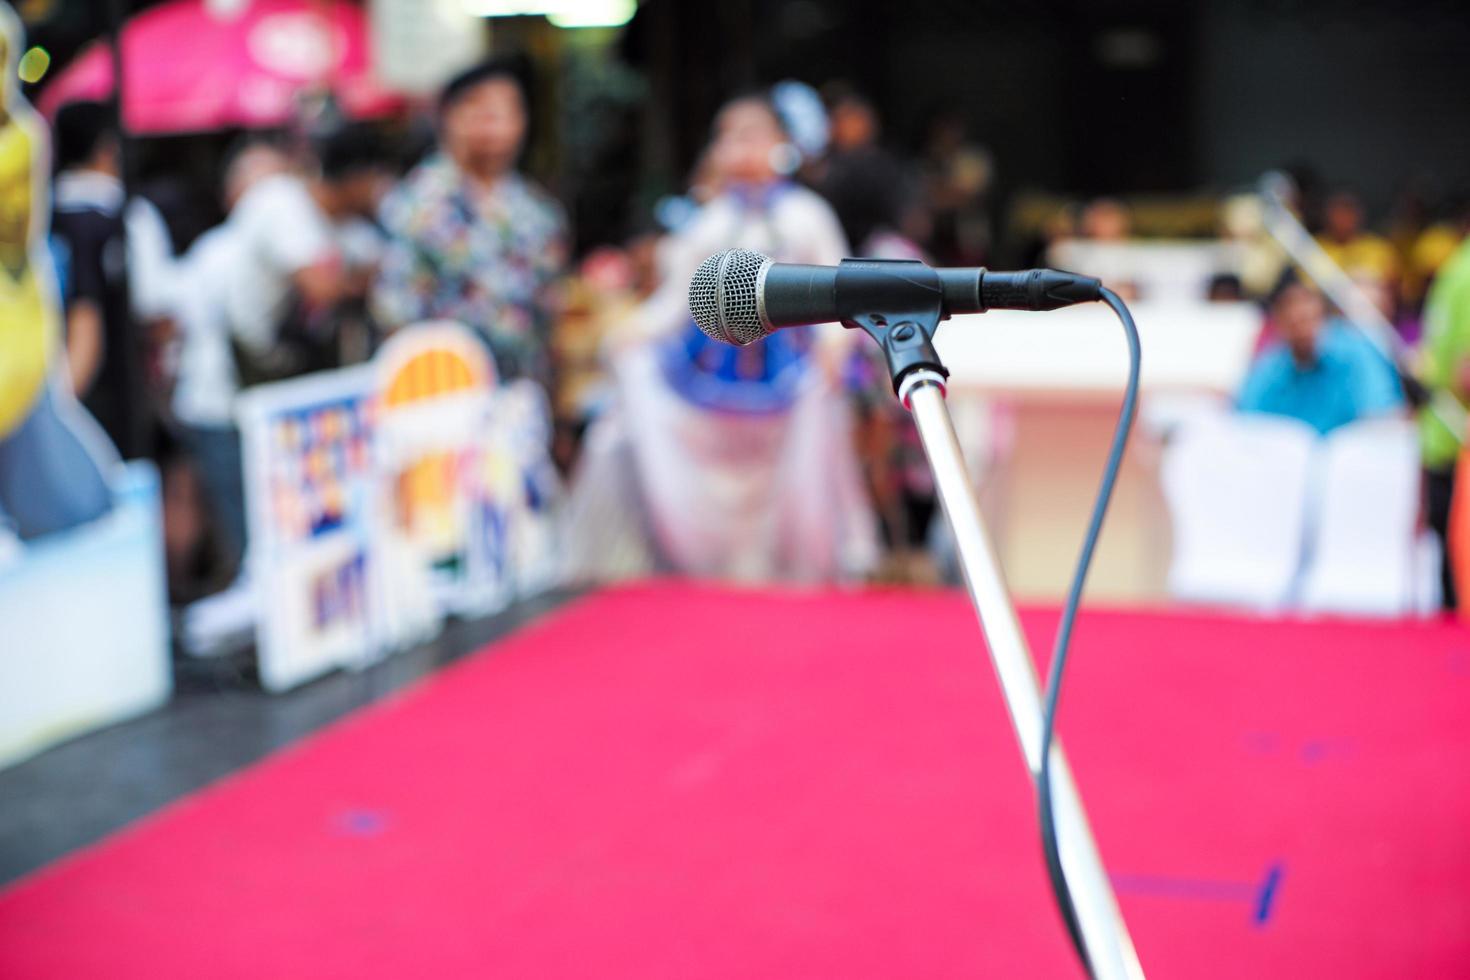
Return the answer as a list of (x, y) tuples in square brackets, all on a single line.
[(918, 376)]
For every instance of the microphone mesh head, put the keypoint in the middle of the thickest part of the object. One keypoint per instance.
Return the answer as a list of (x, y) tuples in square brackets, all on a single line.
[(723, 296)]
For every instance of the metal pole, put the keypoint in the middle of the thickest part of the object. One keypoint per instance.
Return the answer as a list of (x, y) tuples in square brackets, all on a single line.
[(1105, 934), (116, 17), (1288, 232), (1338, 286), (133, 371)]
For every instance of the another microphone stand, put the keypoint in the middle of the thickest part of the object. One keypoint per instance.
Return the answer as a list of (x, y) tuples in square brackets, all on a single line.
[(1282, 226), (919, 381)]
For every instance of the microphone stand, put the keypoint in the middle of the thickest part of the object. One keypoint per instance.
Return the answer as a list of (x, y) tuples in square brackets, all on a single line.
[(919, 381)]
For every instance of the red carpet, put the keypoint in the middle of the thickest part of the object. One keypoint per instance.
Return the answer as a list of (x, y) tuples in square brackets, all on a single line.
[(674, 782)]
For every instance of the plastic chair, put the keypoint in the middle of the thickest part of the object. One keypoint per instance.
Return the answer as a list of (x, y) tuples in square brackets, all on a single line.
[(1237, 486), (1364, 554)]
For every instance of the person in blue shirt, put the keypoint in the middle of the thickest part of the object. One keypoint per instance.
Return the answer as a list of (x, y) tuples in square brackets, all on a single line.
[(1323, 372)]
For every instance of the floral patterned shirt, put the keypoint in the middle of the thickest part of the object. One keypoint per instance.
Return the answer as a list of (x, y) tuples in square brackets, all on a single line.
[(486, 258)]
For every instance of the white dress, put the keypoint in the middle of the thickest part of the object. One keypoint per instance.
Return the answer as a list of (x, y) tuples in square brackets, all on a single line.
[(666, 485)]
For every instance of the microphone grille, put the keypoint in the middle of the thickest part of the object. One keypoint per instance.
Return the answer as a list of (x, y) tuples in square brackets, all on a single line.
[(724, 296)]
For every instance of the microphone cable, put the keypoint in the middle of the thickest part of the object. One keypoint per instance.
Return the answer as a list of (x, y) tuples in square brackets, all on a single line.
[(1053, 692)]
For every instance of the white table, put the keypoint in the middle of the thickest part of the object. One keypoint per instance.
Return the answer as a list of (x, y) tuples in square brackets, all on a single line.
[(1055, 380), (1159, 269), (1186, 346)]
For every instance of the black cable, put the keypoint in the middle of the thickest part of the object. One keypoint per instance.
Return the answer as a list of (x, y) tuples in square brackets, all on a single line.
[(1060, 889)]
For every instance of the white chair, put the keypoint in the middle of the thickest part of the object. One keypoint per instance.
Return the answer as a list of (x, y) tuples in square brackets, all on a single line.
[(1363, 557), (1237, 486)]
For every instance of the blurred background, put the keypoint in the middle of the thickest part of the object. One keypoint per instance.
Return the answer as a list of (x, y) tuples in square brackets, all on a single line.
[(340, 338)]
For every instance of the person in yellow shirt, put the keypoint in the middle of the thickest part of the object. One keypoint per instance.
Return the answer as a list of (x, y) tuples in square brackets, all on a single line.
[(1356, 252), (50, 474), (1431, 249)]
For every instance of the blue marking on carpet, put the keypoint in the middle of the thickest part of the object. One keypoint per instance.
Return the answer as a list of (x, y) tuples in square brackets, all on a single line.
[(1260, 896), (361, 823)]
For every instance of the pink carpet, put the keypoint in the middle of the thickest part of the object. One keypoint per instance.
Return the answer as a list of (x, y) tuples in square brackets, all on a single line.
[(679, 782)]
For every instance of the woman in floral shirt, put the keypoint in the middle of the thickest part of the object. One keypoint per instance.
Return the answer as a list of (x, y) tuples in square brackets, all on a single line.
[(470, 238)]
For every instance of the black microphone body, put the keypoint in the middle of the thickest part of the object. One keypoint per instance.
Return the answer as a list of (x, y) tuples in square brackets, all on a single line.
[(739, 296), (797, 295)]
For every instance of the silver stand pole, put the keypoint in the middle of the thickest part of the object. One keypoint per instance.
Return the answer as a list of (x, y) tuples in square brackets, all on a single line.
[(1109, 946)]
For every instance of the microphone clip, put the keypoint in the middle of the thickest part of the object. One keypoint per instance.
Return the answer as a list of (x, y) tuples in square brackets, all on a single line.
[(905, 333)]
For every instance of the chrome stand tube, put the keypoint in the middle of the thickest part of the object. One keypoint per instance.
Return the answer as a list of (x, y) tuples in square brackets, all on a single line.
[(1104, 933)]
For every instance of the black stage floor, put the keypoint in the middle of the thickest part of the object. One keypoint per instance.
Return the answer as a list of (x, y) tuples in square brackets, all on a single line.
[(217, 722)]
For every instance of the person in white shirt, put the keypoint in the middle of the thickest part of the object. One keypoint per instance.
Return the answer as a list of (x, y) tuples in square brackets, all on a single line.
[(275, 265), (286, 250), (293, 271)]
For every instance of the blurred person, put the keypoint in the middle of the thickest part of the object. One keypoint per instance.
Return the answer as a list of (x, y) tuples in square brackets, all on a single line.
[(259, 292), (119, 263), (958, 177), (608, 283), (1107, 222), (53, 456), (1224, 287), (1308, 190), (1445, 369), (1410, 215), (755, 205), (1355, 250), (208, 373), (470, 238), (1430, 249), (894, 465), (706, 181), (1322, 372), (862, 181), (352, 176), (1261, 258), (247, 164), (194, 563), (1371, 262), (877, 204), (1408, 222), (1058, 227), (87, 225), (289, 273), (1106, 219), (721, 461), (208, 379)]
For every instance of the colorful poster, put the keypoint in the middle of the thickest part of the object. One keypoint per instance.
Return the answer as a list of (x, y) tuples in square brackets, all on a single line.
[(383, 497), (309, 494), (468, 480)]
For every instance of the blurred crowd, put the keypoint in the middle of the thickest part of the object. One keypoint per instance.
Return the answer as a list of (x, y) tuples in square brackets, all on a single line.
[(330, 243)]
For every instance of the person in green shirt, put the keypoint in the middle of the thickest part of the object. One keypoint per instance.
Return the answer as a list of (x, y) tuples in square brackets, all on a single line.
[(1446, 368)]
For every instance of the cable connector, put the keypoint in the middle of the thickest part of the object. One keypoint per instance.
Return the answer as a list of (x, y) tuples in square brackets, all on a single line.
[(1037, 289)]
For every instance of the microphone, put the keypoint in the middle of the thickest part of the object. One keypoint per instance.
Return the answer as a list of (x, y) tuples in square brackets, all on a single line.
[(739, 296)]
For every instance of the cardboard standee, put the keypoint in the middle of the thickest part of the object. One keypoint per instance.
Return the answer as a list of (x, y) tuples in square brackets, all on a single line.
[(382, 497), (85, 640), (309, 486)]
